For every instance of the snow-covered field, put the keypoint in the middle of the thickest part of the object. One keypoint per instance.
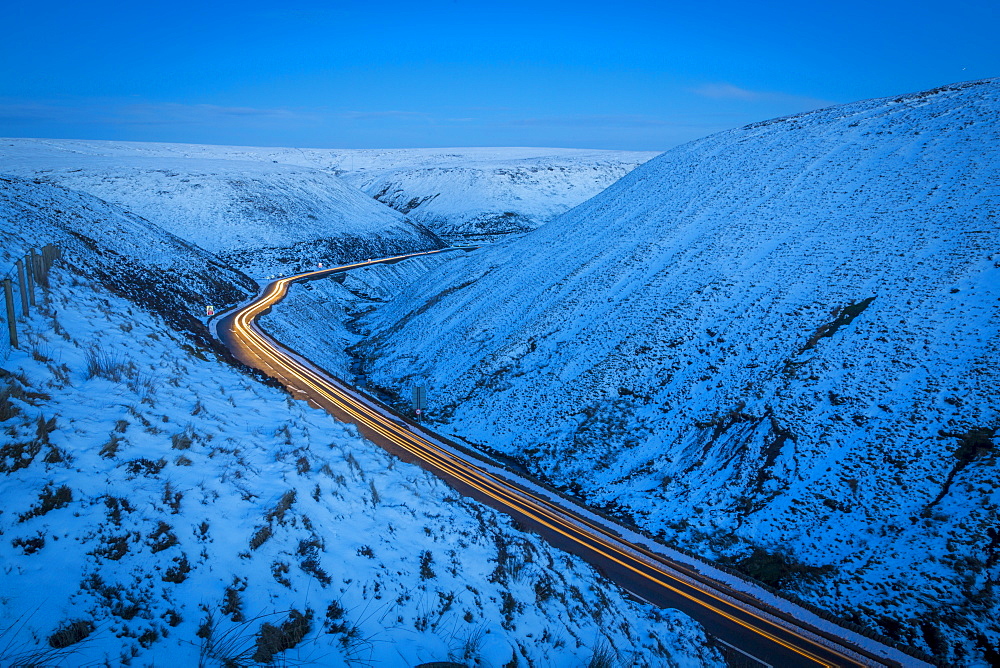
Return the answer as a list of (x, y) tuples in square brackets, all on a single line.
[(462, 193), (777, 345), (161, 507)]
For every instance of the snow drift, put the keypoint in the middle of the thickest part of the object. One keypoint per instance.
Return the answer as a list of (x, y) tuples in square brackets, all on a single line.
[(777, 345)]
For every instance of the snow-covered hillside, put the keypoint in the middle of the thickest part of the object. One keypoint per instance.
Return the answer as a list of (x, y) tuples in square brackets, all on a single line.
[(261, 216), (131, 256), (778, 346), (477, 195), (161, 507), (463, 193), (317, 318)]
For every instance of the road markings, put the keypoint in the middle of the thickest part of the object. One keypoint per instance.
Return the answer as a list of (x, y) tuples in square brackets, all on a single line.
[(746, 654)]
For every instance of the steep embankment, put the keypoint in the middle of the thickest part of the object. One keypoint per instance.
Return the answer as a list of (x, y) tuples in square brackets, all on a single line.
[(261, 216), (129, 255), (777, 345), (467, 194)]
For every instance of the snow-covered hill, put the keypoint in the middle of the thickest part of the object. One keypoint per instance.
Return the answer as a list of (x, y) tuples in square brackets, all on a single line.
[(129, 255), (161, 507), (259, 215), (317, 318), (779, 345), (477, 195), (467, 194)]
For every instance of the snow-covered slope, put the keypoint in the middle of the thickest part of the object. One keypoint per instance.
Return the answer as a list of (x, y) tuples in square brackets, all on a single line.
[(259, 215), (317, 318), (128, 254), (463, 193), (779, 345), (477, 195), (161, 508)]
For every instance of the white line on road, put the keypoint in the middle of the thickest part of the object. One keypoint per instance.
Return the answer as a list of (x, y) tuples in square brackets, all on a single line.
[(746, 654)]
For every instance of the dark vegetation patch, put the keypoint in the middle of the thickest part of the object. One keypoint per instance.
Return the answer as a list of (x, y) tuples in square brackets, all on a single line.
[(283, 506), (145, 466), (50, 499), (113, 548), (972, 445), (309, 550), (120, 601), (116, 505), (336, 623), (775, 569), (12, 387), (19, 455), (842, 317), (232, 603), (260, 536), (70, 633), (29, 545), (162, 537), (607, 427), (273, 639), (177, 573)]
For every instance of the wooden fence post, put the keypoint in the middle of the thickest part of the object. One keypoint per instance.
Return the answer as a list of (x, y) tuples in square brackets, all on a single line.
[(41, 276), (22, 286), (30, 271), (8, 294)]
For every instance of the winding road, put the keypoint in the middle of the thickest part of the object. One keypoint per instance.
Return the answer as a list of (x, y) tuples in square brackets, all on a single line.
[(756, 633)]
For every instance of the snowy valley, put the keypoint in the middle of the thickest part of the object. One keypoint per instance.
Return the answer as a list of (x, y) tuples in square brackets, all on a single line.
[(776, 347), (164, 507), (259, 216)]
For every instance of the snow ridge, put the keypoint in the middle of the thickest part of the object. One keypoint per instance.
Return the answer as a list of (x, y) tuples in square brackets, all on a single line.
[(131, 256), (475, 196)]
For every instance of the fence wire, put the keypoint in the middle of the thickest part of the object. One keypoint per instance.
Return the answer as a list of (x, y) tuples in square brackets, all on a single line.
[(21, 289)]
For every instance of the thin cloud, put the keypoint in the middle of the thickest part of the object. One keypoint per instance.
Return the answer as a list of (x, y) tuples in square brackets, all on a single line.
[(129, 113), (727, 91), (33, 111), (599, 121), (198, 114)]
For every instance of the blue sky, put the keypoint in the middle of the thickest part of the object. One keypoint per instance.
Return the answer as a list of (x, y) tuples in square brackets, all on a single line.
[(629, 75)]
